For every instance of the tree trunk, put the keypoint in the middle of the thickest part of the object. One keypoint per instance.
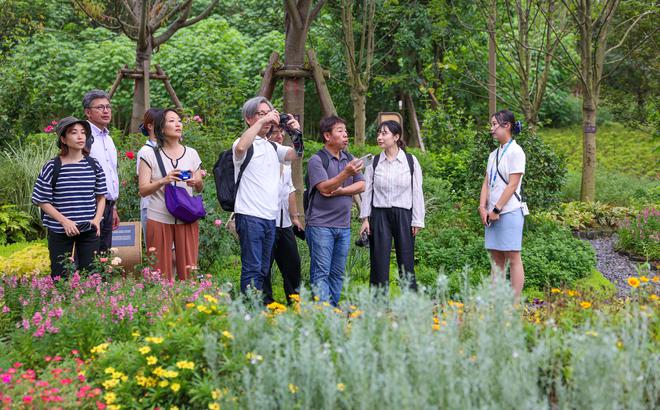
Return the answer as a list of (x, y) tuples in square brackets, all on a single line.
[(141, 101), (492, 60), (294, 88), (359, 98), (589, 109)]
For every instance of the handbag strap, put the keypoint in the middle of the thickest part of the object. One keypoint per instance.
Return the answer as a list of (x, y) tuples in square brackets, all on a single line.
[(497, 167), (161, 166)]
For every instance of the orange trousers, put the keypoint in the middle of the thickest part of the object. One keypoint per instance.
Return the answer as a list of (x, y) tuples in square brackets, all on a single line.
[(185, 238)]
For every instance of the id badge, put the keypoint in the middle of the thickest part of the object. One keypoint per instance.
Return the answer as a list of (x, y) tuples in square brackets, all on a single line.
[(524, 208)]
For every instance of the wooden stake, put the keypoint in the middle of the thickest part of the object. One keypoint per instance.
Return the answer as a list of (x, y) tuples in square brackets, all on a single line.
[(268, 80), (169, 88), (327, 106)]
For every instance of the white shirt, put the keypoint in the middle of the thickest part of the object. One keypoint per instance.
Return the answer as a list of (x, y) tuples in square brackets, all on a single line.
[(512, 161), (286, 188), (391, 187), (104, 151), (148, 146), (258, 192), (157, 210)]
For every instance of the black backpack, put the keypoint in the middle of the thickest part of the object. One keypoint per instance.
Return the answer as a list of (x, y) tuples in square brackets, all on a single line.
[(57, 167), (226, 187), (308, 194)]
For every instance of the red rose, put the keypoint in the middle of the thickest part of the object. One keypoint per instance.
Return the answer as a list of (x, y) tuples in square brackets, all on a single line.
[(130, 155)]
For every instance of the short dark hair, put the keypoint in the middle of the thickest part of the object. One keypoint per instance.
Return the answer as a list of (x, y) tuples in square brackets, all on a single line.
[(506, 117), (395, 128), (64, 149), (159, 123), (93, 95), (328, 123)]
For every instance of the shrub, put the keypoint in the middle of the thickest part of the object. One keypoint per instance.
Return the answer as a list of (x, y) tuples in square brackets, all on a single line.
[(15, 225), (641, 235), (26, 260)]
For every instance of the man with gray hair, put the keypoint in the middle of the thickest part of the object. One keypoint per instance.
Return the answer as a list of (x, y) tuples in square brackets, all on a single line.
[(257, 204), (98, 111)]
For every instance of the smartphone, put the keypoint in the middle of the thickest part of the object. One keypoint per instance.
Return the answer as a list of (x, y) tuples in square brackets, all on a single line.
[(185, 175), (367, 160)]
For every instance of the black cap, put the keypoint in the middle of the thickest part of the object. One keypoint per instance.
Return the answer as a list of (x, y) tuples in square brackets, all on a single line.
[(65, 123)]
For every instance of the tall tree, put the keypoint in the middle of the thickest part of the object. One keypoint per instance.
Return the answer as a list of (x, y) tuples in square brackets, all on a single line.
[(593, 21), (359, 56), (142, 21), (300, 14)]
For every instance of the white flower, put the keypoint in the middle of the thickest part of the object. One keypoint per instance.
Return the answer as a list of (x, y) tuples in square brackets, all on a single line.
[(114, 250), (115, 261)]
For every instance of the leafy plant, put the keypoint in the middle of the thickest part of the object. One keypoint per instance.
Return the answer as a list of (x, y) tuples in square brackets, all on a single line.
[(15, 225)]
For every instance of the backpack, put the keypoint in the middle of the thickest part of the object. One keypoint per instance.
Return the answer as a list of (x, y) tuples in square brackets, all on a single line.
[(309, 192), (226, 186), (411, 165), (57, 167)]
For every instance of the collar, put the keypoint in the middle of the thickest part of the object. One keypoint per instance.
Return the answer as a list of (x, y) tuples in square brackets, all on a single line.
[(342, 154), (400, 156), (97, 131), (150, 143)]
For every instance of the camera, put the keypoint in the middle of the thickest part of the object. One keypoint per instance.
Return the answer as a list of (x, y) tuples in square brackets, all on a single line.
[(185, 175), (296, 135), (363, 240)]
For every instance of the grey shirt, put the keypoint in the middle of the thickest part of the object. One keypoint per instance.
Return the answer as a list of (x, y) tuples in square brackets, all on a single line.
[(332, 212)]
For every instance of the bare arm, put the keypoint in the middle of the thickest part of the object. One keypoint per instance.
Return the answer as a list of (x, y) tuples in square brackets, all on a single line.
[(328, 186), (246, 140), (147, 186)]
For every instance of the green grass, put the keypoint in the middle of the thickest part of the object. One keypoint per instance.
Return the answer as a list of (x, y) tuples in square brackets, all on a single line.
[(619, 149)]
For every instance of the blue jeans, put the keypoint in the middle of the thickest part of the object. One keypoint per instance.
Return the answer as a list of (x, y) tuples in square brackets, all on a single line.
[(256, 236), (328, 250)]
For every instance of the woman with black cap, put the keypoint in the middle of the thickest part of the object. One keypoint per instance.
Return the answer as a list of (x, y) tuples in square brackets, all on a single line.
[(70, 191)]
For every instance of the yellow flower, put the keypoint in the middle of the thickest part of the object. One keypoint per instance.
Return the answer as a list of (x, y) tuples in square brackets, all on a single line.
[(109, 384), (295, 297), (253, 357), (159, 371), (174, 408), (119, 376), (152, 360), (135, 334), (644, 279), (633, 281), (190, 305), (555, 290), (109, 370), (654, 297), (338, 311), (356, 314), (154, 340), (175, 387), (435, 327), (170, 374), (110, 397), (572, 293), (216, 394), (214, 406), (185, 365), (114, 407), (655, 279), (341, 386), (210, 299), (144, 349), (293, 388), (100, 349), (164, 383), (227, 335), (276, 307), (585, 304)]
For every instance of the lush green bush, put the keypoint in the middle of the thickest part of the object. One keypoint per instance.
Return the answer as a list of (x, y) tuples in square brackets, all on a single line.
[(587, 215), (15, 225), (615, 188)]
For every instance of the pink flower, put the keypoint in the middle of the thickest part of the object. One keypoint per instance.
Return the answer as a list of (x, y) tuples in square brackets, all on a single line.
[(218, 222), (6, 378), (5, 309), (66, 381), (197, 119), (75, 352), (27, 399), (103, 260), (49, 129), (53, 122)]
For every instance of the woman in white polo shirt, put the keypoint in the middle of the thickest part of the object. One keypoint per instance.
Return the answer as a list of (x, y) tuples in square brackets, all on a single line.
[(500, 204)]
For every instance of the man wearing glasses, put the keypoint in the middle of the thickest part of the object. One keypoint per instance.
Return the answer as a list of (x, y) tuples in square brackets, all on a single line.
[(98, 111), (257, 205)]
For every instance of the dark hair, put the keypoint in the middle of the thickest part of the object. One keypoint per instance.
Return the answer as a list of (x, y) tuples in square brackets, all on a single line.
[(159, 123), (64, 149), (507, 117), (395, 128), (147, 119), (328, 123), (93, 95)]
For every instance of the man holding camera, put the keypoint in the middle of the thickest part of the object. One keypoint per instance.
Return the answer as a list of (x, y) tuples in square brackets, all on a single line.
[(334, 177), (257, 204)]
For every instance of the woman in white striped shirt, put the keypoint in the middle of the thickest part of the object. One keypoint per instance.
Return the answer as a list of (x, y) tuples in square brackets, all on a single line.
[(70, 190), (392, 207)]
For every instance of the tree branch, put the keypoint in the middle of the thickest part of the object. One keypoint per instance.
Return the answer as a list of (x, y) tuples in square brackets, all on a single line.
[(294, 13)]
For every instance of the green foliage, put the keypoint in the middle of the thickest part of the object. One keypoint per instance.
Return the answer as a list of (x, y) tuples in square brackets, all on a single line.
[(583, 215), (15, 225), (25, 259), (641, 235), (615, 188)]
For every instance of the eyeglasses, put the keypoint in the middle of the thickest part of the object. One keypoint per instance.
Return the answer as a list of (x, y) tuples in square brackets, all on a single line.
[(262, 113), (103, 107)]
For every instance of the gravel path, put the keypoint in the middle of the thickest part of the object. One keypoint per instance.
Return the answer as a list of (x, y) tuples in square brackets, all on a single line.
[(613, 265)]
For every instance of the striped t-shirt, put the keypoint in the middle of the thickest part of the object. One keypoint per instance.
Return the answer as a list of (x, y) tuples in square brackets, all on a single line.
[(75, 191)]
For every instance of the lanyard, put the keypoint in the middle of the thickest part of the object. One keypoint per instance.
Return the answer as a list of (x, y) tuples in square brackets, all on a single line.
[(493, 175)]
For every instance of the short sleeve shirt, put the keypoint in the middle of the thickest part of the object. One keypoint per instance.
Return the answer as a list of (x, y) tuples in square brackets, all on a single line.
[(75, 191), (332, 212), (147, 147), (258, 191), (157, 210), (512, 161)]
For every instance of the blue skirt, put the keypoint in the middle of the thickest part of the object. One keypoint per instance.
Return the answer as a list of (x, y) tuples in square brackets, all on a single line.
[(505, 234)]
